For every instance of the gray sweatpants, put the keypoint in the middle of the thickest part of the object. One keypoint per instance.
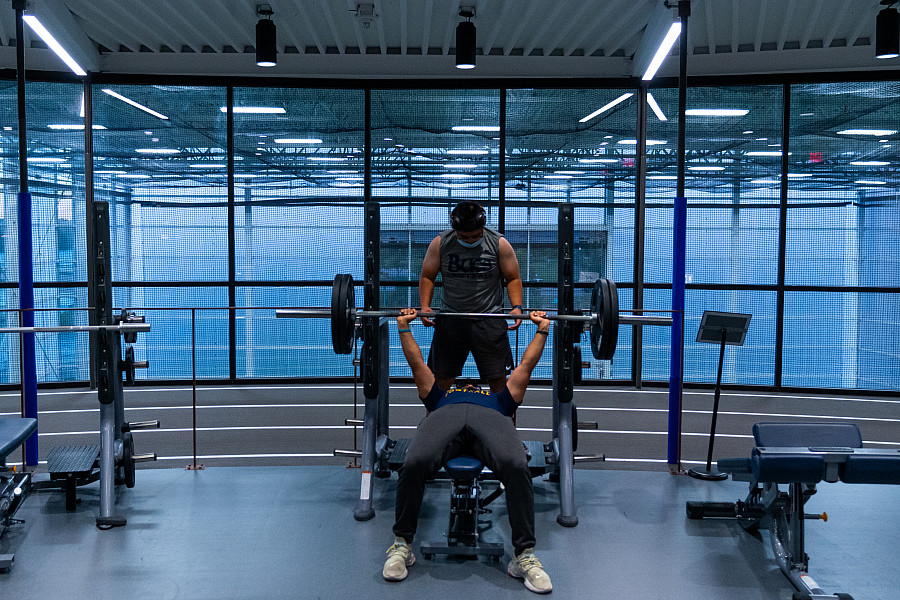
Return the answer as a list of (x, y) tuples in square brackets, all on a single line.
[(483, 433)]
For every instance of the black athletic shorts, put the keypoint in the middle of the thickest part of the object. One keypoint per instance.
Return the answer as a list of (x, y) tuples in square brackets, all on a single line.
[(454, 338)]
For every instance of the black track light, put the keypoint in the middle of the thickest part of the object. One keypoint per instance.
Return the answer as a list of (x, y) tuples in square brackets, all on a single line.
[(266, 53), (465, 40), (887, 33)]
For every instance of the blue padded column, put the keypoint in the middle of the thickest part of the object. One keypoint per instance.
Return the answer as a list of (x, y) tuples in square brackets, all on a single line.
[(26, 305)]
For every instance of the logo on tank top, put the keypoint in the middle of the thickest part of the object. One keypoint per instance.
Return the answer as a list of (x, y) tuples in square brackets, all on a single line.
[(470, 265)]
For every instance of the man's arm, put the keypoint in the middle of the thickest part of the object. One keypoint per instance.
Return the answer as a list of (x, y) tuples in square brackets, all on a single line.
[(518, 381), (422, 375), (431, 265), (509, 269)]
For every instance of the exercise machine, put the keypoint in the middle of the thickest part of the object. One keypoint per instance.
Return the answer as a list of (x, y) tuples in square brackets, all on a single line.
[(14, 486), (800, 455)]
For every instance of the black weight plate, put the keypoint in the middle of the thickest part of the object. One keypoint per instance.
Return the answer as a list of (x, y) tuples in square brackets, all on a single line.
[(574, 428), (128, 459), (610, 319), (342, 303), (596, 333), (336, 299), (576, 366), (349, 307)]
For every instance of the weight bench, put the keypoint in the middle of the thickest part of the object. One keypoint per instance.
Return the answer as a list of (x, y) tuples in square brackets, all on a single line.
[(800, 455), (13, 486), (466, 505)]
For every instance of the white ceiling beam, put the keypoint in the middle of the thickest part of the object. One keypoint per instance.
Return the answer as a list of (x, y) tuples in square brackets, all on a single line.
[(333, 27), (623, 24), (302, 15), (107, 30), (498, 24), (357, 27), (710, 28), (578, 18), (863, 19), (239, 34), (426, 25), (166, 23), (601, 17), (404, 31), (287, 24), (811, 20), (450, 25), (379, 30), (785, 26), (526, 18), (548, 19), (838, 22), (760, 25), (55, 16), (735, 4)]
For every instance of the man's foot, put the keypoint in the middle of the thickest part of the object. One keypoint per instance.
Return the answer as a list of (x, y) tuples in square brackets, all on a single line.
[(400, 556), (526, 566)]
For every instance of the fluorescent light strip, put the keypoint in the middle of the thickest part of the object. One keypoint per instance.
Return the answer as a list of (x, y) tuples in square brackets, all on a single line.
[(716, 112), (664, 48), (706, 168), (655, 107), (207, 166), (467, 152), (764, 153), (135, 104), (557, 177), (606, 107), (590, 161), (298, 141), (461, 166), (869, 163), (258, 110), (649, 142), (157, 151), (475, 128), (878, 132), (568, 172), (868, 182), (73, 126), (47, 159), (53, 44), (327, 158), (454, 175)]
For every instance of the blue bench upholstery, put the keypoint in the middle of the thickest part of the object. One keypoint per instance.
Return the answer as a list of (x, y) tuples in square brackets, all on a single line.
[(463, 467), (13, 433), (807, 434), (871, 469)]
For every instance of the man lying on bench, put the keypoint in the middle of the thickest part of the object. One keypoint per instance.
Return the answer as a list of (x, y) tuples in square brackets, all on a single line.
[(13, 486), (801, 455)]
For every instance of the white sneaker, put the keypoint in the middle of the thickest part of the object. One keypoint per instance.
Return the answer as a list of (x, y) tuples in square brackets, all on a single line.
[(526, 566), (400, 556)]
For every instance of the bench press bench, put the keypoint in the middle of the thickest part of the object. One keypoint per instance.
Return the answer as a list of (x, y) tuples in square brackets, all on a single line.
[(799, 455), (13, 486)]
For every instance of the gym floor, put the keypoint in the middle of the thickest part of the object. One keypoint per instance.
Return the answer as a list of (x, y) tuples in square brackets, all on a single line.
[(288, 532), (271, 514)]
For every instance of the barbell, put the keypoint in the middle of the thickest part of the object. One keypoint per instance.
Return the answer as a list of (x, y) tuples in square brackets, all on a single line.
[(602, 320)]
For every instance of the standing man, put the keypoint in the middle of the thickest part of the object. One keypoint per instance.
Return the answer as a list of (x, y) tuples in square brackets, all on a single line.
[(473, 262)]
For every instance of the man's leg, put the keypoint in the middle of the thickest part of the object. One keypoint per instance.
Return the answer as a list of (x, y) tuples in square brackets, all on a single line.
[(498, 445), (500, 448), (424, 458)]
